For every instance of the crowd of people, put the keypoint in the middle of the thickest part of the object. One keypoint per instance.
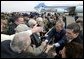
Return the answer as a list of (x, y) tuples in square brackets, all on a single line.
[(43, 35)]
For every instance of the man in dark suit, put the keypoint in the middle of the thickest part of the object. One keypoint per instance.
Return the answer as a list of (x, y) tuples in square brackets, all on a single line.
[(72, 35), (17, 20), (58, 32)]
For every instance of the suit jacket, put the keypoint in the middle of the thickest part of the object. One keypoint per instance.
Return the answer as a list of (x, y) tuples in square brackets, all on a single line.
[(64, 40), (58, 37), (53, 33), (11, 29), (78, 39), (36, 40)]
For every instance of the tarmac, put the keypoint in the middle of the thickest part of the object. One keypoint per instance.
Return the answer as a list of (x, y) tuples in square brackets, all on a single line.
[(71, 19)]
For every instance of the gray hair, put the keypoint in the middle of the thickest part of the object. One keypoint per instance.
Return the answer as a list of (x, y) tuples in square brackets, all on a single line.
[(20, 42), (80, 23), (39, 19), (21, 27), (31, 22)]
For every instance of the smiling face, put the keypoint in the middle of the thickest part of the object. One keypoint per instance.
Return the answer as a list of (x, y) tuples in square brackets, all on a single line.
[(21, 20), (72, 31), (58, 27), (70, 34)]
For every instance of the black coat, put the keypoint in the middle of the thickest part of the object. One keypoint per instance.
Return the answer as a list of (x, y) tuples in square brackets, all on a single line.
[(64, 40), (36, 40), (6, 51), (58, 36), (79, 39), (11, 29)]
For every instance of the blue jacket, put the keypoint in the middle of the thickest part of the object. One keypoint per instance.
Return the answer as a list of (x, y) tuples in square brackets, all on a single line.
[(58, 35)]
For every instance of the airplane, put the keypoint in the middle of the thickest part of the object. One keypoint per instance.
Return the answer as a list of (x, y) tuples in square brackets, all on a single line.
[(60, 9)]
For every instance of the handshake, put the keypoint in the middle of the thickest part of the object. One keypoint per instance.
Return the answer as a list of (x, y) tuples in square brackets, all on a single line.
[(47, 46), (49, 49)]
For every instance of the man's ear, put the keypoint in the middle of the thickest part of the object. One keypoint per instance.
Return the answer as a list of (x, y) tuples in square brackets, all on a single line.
[(76, 34)]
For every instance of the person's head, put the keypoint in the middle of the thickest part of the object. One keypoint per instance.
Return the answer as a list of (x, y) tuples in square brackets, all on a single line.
[(32, 23), (80, 23), (59, 25), (19, 20), (40, 21), (72, 50), (72, 31), (3, 25), (20, 42), (21, 27)]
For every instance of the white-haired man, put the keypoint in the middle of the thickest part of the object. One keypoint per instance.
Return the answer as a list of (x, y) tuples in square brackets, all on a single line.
[(20, 46), (40, 21), (21, 27), (35, 37), (32, 23)]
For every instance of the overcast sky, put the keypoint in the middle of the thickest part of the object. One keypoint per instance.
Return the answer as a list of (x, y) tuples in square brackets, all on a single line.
[(12, 6)]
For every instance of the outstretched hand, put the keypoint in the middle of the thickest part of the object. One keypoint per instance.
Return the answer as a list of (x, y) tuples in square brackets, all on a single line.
[(37, 29)]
